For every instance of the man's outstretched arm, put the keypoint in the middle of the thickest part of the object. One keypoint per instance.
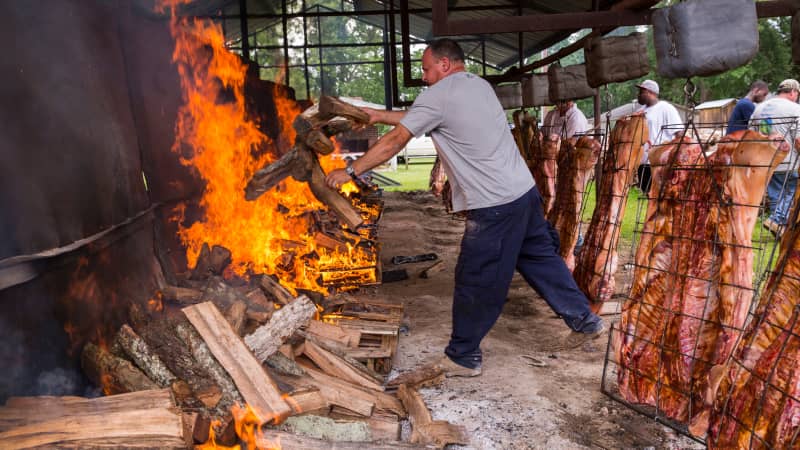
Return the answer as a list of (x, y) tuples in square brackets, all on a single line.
[(387, 146), (384, 116)]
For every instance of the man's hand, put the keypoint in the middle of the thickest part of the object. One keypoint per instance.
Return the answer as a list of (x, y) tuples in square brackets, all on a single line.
[(375, 115), (336, 178)]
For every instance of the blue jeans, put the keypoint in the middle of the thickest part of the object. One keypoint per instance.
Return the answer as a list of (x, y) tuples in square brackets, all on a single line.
[(497, 241), (780, 192)]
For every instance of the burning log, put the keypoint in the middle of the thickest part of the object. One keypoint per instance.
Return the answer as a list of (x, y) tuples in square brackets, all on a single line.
[(181, 295), (140, 353), (254, 384), (425, 429), (74, 422), (219, 259), (202, 268), (114, 374), (268, 338), (302, 164)]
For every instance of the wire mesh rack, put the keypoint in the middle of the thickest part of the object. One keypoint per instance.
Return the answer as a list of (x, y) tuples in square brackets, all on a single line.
[(697, 266), (597, 261)]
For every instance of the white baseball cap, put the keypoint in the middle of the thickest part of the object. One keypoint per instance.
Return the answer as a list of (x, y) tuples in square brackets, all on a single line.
[(650, 85)]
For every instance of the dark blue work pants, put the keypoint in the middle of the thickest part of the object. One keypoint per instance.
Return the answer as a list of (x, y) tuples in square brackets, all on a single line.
[(498, 240)]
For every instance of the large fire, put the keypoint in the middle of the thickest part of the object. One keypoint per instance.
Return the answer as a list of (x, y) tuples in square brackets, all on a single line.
[(226, 148)]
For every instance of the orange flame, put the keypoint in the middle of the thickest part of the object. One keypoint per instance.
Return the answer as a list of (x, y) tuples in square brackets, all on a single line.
[(227, 148), (248, 429)]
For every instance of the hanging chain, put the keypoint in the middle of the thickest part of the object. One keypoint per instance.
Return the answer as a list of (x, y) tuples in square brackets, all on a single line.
[(690, 90)]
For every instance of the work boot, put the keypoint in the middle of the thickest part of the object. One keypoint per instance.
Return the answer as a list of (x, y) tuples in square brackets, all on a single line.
[(453, 369), (578, 338)]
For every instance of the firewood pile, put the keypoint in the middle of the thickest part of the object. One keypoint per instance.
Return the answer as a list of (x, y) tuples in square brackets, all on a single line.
[(186, 367)]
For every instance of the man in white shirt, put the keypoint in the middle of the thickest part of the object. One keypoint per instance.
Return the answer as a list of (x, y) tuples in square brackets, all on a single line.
[(565, 120), (781, 115), (663, 121)]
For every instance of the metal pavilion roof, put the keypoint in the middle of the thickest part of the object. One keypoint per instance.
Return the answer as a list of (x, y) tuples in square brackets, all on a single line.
[(500, 51)]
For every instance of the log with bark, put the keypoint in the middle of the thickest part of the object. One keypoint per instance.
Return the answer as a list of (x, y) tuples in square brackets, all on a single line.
[(137, 350), (692, 286), (268, 338), (597, 261), (114, 374)]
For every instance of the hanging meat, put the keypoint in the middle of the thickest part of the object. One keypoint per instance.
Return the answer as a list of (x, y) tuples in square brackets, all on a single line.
[(576, 162), (544, 157), (597, 261), (757, 403), (692, 286)]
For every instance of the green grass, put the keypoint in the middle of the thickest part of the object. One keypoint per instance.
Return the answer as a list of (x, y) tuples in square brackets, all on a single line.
[(415, 178)]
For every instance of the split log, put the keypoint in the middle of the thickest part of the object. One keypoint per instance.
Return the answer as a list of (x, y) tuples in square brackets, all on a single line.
[(140, 353), (333, 199), (236, 315), (425, 376), (114, 374), (20, 411), (425, 430), (317, 141), (289, 441), (330, 107), (342, 353), (327, 332), (341, 393), (181, 295), (266, 178), (381, 400), (101, 422), (202, 268), (307, 400), (339, 367), (284, 322), (278, 292), (253, 382), (196, 427), (257, 301)]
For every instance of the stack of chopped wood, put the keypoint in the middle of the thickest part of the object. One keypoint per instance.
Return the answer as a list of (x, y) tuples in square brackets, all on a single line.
[(178, 370)]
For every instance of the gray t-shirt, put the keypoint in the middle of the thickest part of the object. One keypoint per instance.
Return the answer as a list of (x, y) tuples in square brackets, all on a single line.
[(779, 116), (469, 127)]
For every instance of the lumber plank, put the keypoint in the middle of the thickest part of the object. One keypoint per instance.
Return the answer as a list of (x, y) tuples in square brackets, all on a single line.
[(335, 333), (253, 382), (338, 367)]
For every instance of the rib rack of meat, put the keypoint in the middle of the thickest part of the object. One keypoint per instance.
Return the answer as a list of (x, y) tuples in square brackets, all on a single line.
[(693, 283), (757, 402), (543, 165), (597, 261), (576, 162)]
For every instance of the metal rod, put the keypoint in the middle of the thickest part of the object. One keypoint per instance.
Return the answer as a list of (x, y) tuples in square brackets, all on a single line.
[(243, 28), (287, 76)]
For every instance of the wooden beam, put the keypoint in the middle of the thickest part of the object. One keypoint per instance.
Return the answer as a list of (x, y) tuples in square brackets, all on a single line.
[(252, 381)]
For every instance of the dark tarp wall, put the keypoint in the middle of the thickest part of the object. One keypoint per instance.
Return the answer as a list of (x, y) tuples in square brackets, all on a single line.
[(69, 153), (88, 98)]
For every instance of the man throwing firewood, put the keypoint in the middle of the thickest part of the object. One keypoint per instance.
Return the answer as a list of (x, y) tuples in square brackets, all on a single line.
[(505, 228)]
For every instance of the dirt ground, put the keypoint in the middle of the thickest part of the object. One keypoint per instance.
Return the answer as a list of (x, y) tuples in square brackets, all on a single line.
[(512, 405)]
